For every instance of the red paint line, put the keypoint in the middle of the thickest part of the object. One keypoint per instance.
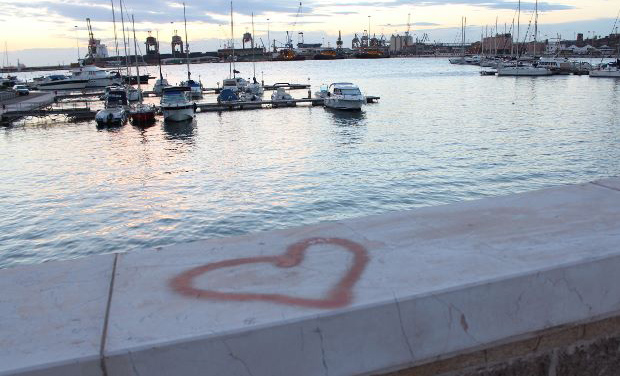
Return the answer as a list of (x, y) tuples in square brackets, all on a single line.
[(340, 295)]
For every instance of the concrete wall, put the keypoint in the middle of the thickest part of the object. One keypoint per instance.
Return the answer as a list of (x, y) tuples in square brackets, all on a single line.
[(363, 296)]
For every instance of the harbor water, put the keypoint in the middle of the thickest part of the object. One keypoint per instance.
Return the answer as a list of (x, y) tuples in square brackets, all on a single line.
[(440, 133)]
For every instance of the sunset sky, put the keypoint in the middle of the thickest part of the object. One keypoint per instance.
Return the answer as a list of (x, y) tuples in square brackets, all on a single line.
[(44, 32)]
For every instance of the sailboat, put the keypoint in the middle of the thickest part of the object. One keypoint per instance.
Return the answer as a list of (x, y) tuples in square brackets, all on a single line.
[(195, 87), (161, 82), (237, 89), (176, 101), (140, 113), (461, 60), (609, 70), (524, 69)]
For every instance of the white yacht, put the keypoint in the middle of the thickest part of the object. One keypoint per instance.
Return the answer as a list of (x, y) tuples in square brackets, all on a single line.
[(557, 65), (281, 97), (115, 111), (610, 70), (523, 70), (96, 77), (61, 82), (176, 103), (344, 96)]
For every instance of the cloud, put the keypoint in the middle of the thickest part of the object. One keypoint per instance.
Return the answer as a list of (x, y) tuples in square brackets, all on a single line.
[(412, 24), (543, 6)]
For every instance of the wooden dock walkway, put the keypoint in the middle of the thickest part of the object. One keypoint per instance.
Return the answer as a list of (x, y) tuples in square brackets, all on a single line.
[(238, 106)]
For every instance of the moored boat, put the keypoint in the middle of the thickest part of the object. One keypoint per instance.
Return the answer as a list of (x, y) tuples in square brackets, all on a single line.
[(143, 113), (344, 96), (96, 77), (115, 111), (176, 103), (61, 82)]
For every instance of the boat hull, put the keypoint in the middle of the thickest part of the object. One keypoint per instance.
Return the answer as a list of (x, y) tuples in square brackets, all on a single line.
[(178, 113), (344, 104), (527, 72), (111, 117), (103, 82), (67, 85), (143, 117), (605, 73)]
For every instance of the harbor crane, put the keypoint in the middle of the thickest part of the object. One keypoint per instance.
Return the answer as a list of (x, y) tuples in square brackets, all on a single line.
[(289, 36)]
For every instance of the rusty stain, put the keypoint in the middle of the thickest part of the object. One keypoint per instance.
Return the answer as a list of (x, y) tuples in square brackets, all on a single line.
[(464, 323), (340, 295)]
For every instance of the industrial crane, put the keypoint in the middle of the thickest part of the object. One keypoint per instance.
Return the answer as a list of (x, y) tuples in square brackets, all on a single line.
[(92, 45), (289, 36)]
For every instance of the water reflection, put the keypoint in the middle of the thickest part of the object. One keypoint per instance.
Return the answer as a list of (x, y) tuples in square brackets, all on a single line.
[(351, 126), (347, 118), (180, 130)]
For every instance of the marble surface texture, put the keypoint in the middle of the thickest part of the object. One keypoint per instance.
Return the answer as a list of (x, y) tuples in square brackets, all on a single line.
[(345, 298)]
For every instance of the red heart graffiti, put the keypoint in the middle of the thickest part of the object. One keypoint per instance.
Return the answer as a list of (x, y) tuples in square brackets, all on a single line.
[(340, 295)]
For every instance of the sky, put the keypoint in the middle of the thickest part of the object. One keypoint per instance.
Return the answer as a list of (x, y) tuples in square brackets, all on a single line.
[(39, 32)]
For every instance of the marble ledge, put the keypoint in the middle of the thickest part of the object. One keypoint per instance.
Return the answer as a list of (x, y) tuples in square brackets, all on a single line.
[(353, 297)]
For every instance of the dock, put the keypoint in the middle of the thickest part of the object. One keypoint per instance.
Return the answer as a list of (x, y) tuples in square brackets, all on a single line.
[(238, 106), (41, 104)]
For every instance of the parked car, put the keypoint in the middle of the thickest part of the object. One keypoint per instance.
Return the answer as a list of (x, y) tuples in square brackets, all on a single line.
[(21, 89)]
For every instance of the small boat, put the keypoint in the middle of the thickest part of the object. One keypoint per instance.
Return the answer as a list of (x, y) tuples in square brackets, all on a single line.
[(159, 86), (322, 92), (344, 96), (61, 82), (487, 73), (143, 113), (281, 97), (610, 70), (96, 77), (115, 111), (133, 94), (523, 71), (176, 103), (196, 88)]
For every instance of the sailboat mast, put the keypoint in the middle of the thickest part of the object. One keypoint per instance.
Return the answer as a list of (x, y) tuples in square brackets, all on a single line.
[(118, 62), (253, 56), (125, 41), (232, 40), (189, 74), (536, 29), (161, 76), (519, 30), (135, 50)]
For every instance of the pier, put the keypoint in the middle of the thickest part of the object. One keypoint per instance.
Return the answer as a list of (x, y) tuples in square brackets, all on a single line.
[(40, 104), (501, 286)]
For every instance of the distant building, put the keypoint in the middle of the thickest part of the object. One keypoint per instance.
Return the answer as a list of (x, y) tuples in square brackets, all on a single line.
[(501, 44), (400, 43)]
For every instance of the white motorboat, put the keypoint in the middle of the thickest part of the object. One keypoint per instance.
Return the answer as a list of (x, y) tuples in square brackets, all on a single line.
[(236, 84), (176, 103), (159, 86), (322, 92), (523, 70), (557, 65), (115, 111), (196, 88), (96, 77), (281, 97), (344, 96), (610, 70), (61, 82)]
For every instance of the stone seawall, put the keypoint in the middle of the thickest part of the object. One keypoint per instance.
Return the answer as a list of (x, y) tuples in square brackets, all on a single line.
[(501, 286)]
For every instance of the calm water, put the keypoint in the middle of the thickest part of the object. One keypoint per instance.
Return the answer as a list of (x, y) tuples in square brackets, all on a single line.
[(440, 134)]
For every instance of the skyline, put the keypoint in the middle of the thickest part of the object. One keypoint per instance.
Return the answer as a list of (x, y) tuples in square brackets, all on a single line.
[(55, 27)]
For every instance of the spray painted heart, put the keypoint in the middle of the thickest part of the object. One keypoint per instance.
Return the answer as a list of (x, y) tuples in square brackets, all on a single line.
[(340, 295)]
